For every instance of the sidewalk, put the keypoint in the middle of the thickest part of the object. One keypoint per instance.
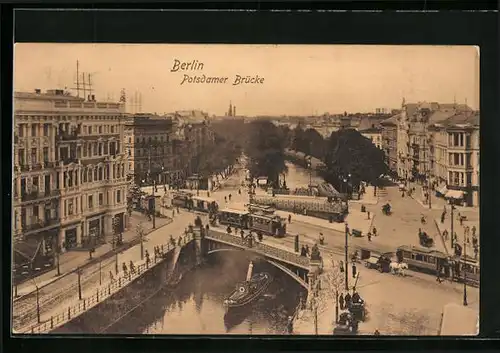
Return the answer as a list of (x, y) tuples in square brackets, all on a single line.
[(71, 260)]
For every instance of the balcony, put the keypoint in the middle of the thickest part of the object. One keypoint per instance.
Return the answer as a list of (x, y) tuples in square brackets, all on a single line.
[(68, 160), (35, 195), (67, 136), (40, 225)]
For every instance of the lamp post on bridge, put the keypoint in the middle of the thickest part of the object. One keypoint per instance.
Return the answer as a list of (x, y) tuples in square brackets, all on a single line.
[(346, 266)]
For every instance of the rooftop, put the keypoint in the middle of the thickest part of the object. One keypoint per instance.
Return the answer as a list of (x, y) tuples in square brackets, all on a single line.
[(393, 120), (371, 130)]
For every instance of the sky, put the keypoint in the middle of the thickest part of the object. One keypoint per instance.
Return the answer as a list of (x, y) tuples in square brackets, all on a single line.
[(298, 79)]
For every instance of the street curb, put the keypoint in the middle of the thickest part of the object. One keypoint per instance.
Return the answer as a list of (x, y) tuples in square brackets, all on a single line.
[(95, 260)]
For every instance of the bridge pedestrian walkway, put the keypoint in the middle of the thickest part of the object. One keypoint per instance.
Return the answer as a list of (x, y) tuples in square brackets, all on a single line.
[(91, 296)]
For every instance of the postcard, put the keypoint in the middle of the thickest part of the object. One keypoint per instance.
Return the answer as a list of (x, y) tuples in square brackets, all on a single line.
[(245, 189)]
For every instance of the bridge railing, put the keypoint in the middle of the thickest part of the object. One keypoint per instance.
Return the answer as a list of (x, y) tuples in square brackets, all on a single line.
[(282, 254), (104, 292)]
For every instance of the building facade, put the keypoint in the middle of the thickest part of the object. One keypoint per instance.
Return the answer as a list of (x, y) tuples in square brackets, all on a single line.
[(69, 169), (389, 141), (149, 147), (454, 156), (374, 134), (413, 137)]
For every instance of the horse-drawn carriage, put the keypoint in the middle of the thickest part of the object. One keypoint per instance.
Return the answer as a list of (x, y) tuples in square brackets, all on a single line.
[(379, 262), (346, 325), (425, 240), (386, 209)]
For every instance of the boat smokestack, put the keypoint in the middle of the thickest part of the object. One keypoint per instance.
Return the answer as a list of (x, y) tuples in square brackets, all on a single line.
[(250, 270)]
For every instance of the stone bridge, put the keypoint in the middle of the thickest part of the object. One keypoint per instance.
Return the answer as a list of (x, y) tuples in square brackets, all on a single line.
[(300, 268)]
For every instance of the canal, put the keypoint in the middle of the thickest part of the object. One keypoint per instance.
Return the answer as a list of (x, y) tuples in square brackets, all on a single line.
[(195, 305)]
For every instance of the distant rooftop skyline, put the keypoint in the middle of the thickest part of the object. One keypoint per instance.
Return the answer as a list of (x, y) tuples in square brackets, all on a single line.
[(298, 80)]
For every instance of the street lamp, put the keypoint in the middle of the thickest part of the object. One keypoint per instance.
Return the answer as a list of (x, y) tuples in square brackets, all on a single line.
[(37, 301), (140, 232), (452, 233), (346, 261)]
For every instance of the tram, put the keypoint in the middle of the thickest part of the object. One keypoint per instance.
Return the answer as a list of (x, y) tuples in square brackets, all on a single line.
[(269, 224), (261, 209), (234, 218), (465, 269), (181, 199), (422, 259), (204, 204)]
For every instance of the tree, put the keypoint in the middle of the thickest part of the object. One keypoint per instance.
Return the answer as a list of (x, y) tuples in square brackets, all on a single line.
[(355, 155), (265, 149), (335, 279), (314, 144)]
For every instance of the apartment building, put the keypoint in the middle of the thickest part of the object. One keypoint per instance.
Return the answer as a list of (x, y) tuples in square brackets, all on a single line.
[(413, 138), (149, 145), (374, 134), (69, 178), (454, 157), (390, 140)]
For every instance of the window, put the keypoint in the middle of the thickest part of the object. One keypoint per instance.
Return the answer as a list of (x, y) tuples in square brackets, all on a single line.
[(22, 161), (101, 199), (106, 148), (130, 140), (129, 152), (45, 154), (33, 156), (118, 196), (70, 207), (45, 129), (36, 211), (112, 129), (100, 149), (21, 130), (91, 202), (33, 129), (100, 129)]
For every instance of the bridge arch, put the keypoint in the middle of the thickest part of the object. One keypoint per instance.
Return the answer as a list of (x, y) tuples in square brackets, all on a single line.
[(279, 266)]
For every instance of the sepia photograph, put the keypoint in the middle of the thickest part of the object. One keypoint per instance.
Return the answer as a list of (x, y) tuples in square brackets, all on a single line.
[(230, 189)]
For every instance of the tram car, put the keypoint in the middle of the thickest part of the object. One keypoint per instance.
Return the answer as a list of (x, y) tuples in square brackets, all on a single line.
[(261, 209), (204, 204), (422, 259), (181, 199), (268, 224), (466, 269), (234, 218)]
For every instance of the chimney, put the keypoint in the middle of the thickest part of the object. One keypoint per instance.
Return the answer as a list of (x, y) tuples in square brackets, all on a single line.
[(93, 98), (38, 91)]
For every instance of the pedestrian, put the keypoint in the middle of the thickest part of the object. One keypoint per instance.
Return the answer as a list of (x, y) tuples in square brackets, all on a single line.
[(474, 231), (442, 217), (461, 219), (289, 325), (164, 189), (374, 231), (178, 212), (341, 266), (402, 194), (173, 213), (347, 300), (368, 214), (230, 197), (132, 267), (289, 218), (124, 267), (476, 252), (341, 301), (111, 277), (445, 234), (308, 251), (369, 235), (376, 333), (354, 270), (147, 258), (303, 251), (438, 276), (225, 199), (239, 191)]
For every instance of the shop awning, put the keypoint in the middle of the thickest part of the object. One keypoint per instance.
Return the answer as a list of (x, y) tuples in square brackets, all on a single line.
[(454, 194), (442, 190)]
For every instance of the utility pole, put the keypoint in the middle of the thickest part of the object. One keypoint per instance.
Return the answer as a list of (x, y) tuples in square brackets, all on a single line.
[(100, 272), (37, 301), (452, 233), (79, 272), (115, 242), (464, 271), (346, 267), (154, 186)]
